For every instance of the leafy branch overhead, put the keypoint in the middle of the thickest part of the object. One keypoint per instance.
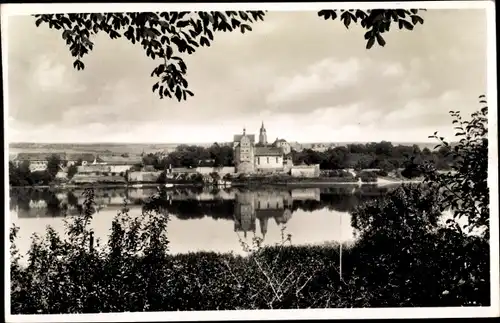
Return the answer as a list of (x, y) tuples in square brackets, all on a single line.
[(376, 21), (166, 36)]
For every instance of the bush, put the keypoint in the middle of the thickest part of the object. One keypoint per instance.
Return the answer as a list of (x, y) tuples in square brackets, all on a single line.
[(412, 171), (367, 177), (197, 178), (337, 173), (162, 179), (72, 171), (40, 178), (382, 173)]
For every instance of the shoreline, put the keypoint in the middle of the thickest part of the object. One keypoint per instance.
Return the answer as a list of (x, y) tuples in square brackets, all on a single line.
[(299, 183)]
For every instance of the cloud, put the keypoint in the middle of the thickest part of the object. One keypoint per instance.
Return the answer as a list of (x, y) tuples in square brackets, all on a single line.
[(394, 69), (49, 76), (294, 70), (325, 75)]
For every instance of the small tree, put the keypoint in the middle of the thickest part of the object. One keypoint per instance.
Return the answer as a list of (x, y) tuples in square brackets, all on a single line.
[(215, 177), (72, 170), (162, 179), (53, 165), (465, 189)]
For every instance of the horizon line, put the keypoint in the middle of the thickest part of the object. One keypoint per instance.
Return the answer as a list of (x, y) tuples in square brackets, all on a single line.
[(207, 142)]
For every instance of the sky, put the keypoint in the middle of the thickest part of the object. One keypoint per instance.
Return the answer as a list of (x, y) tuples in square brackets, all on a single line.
[(307, 79)]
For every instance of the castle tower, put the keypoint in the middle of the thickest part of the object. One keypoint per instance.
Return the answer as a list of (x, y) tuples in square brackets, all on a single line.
[(262, 135)]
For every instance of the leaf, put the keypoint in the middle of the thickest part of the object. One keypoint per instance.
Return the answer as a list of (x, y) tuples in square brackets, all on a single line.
[(325, 13), (204, 41), (347, 19), (380, 40), (66, 34), (407, 24), (178, 93), (243, 27), (182, 23), (416, 19), (38, 22), (170, 52), (78, 65), (370, 42)]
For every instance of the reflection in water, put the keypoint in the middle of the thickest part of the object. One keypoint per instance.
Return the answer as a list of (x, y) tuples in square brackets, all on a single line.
[(191, 203), (311, 215)]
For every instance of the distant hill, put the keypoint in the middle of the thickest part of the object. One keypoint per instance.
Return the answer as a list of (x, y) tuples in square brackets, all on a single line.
[(138, 148)]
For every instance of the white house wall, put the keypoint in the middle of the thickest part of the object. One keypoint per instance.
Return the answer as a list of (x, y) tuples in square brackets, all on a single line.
[(268, 162)]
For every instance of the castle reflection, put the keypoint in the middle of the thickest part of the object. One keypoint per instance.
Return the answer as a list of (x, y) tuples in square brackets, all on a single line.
[(264, 205), (244, 207)]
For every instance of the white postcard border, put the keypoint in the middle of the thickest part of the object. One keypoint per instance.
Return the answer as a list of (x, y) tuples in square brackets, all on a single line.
[(355, 313)]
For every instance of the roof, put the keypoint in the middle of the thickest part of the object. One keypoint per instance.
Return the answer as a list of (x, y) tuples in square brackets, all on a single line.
[(38, 156), (119, 160), (237, 138), (268, 151), (94, 168), (183, 170), (279, 141), (88, 157), (304, 166)]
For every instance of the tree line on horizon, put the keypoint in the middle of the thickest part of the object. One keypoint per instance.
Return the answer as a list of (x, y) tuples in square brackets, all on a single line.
[(383, 155)]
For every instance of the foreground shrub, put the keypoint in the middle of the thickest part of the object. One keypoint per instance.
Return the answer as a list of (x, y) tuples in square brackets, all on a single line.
[(464, 189), (367, 176)]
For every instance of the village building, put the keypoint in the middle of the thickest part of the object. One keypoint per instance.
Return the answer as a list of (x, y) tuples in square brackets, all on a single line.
[(119, 164), (84, 158), (284, 145), (38, 161)]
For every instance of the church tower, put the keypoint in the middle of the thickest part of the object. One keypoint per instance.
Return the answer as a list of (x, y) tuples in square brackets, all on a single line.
[(263, 135)]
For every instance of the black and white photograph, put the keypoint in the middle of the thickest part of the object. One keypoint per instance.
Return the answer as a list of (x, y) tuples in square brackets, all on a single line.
[(215, 161)]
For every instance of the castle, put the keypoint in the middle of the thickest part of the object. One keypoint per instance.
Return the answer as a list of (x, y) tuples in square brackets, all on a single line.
[(251, 156)]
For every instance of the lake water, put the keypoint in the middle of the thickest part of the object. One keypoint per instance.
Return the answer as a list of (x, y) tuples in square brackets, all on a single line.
[(203, 219)]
